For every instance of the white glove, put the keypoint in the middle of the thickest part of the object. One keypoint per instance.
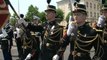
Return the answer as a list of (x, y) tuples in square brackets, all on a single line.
[(20, 21), (55, 57), (28, 56), (4, 33)]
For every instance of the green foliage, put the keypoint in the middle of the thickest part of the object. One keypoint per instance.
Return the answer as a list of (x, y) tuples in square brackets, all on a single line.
[(13, 20), (42, 16), (106, 1), (60, 14), (32, 11), (67, 17)]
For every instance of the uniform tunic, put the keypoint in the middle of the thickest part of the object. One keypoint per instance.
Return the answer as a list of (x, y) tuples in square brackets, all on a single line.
[(51, 40), (81, 40)]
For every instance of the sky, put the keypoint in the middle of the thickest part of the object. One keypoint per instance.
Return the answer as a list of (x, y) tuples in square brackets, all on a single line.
[(21, 6)]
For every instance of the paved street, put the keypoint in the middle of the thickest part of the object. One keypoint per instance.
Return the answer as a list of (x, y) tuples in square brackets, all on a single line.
[(13, 51), (15, 54)]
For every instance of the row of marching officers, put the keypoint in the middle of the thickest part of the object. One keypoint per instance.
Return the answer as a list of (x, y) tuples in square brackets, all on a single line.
[(46, 41), (39, 40)]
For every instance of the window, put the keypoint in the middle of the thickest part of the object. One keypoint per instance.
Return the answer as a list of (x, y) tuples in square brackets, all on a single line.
[(94, 6), (90, 5), (90, 14), (87, 13), (95, 14), (87, 4)]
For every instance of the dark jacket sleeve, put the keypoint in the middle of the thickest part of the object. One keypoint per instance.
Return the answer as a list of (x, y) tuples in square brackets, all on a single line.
[(66, 41)]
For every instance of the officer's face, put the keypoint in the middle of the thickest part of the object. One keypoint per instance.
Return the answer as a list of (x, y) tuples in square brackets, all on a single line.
[(104, 12), (35, 22), (79, 17), (50, 15)]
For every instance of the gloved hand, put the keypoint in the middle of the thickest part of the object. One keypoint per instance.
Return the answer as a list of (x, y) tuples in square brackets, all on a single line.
[(28, 56), (55, 57), (22, 21), (37, 33), (4, 33)]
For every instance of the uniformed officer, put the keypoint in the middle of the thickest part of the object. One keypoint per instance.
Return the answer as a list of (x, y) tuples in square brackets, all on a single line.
[(102, 24), (24, 35), (18, 41), (81, 36), (52, 34), (6, 42), (36, 30)]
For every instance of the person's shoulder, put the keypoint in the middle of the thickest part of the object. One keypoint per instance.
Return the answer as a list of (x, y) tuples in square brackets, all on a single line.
[(101, 17)]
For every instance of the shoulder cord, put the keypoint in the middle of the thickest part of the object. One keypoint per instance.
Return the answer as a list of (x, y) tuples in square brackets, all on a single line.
[(50, 38), (79, 46), (25, 44), (104, 32), (87, 36), (99, 49), (89, 41), (60, 32)]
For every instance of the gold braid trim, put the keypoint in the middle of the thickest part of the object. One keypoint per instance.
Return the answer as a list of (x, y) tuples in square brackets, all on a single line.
[(58, 30), (55, 36), (25, 44), (87, 36), (81, 48), (53, 40), (104, 32), (85, 45), (89, 40)]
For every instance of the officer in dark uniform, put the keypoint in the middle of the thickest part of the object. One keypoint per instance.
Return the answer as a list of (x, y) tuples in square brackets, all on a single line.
[(81, 36), (102, 24), (20, 35), (52, 34), (24, 35), (36, 30), (6, 43), (18, 41)]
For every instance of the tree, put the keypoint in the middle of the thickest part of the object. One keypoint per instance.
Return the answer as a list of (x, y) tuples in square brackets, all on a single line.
[(32, 11), (13, 19), (60, 14), (106, 1), (67, 17), (42, 16)]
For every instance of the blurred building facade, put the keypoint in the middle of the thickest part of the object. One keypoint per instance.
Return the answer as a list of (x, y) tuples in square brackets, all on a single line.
[(93, 7)]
